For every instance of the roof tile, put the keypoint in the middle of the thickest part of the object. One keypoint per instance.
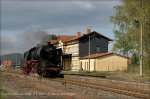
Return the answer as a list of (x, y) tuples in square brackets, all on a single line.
[(78, 37), (71, 38), (97, 55), (66, 38)]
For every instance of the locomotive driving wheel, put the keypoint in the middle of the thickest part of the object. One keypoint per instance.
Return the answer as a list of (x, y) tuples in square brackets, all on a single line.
[(41, 69)]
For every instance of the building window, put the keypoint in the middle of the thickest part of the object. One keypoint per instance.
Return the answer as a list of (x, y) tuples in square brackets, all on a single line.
[(97, 49), (92, 37), (96, 39)]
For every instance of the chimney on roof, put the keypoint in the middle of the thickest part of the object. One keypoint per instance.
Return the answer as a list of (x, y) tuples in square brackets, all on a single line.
[(88, 31), (78, 34)]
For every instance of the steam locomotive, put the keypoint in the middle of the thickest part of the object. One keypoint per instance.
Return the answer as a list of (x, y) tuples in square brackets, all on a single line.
[(44, 59)]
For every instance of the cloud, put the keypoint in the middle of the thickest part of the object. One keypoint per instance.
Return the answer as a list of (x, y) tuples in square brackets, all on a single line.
[(84, 5), (20, 18), (20, 15)]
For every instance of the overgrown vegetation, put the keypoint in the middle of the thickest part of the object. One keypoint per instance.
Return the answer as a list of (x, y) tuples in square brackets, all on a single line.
[(49, 37), (131, 19), (131, 74), (2, 91)]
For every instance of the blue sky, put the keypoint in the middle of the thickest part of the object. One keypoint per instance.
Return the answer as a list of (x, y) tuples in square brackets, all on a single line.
[(23, 23)]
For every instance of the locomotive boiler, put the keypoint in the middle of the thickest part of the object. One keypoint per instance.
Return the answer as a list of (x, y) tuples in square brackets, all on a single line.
[(44, 59)]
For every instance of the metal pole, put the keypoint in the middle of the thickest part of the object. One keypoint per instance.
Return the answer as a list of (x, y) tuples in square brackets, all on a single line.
[(89, 52), (141, 52), (16, 60), (61, 62)]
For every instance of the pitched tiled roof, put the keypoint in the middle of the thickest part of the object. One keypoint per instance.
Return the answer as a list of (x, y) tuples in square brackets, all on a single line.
[(75, 38), (97, 55), (65, 38), (72, 38), (62, 38), (101, 55), (78, 37)]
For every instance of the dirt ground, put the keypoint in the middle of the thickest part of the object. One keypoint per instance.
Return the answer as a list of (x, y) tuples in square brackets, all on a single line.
[(21, 87), (14, 85)]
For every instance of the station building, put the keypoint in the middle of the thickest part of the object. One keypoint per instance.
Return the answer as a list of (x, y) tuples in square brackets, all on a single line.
[(104, 62), (6, 63), (89, 52)]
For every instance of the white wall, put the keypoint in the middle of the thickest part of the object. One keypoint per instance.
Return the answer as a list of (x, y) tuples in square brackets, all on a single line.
[(75, 63), (73, 49), (85, 64)]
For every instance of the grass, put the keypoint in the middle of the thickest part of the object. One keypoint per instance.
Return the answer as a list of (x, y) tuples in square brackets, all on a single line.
[(2, 91), (129, 76), (85, 73), (11, 70)]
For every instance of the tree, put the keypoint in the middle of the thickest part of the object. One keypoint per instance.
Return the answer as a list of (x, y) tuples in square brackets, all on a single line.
[(133, 17), (134, 59), (53, 37), (121, 44), (49, 37)]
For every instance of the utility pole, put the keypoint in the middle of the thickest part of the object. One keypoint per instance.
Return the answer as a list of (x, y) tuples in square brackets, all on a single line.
[(141, 51), (141, 42), (16, 60), (89, 51)]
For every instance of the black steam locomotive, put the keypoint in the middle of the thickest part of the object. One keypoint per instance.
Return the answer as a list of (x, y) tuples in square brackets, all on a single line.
[(44, 59)]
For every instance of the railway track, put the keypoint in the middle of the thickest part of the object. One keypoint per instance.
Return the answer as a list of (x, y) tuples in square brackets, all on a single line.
[(122, 91), (135, 93)]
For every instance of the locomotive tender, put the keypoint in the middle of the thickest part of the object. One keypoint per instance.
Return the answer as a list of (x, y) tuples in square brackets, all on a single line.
[(44, 59)]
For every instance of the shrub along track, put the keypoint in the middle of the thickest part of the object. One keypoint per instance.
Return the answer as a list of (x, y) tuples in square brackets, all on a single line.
[(144, 94)]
